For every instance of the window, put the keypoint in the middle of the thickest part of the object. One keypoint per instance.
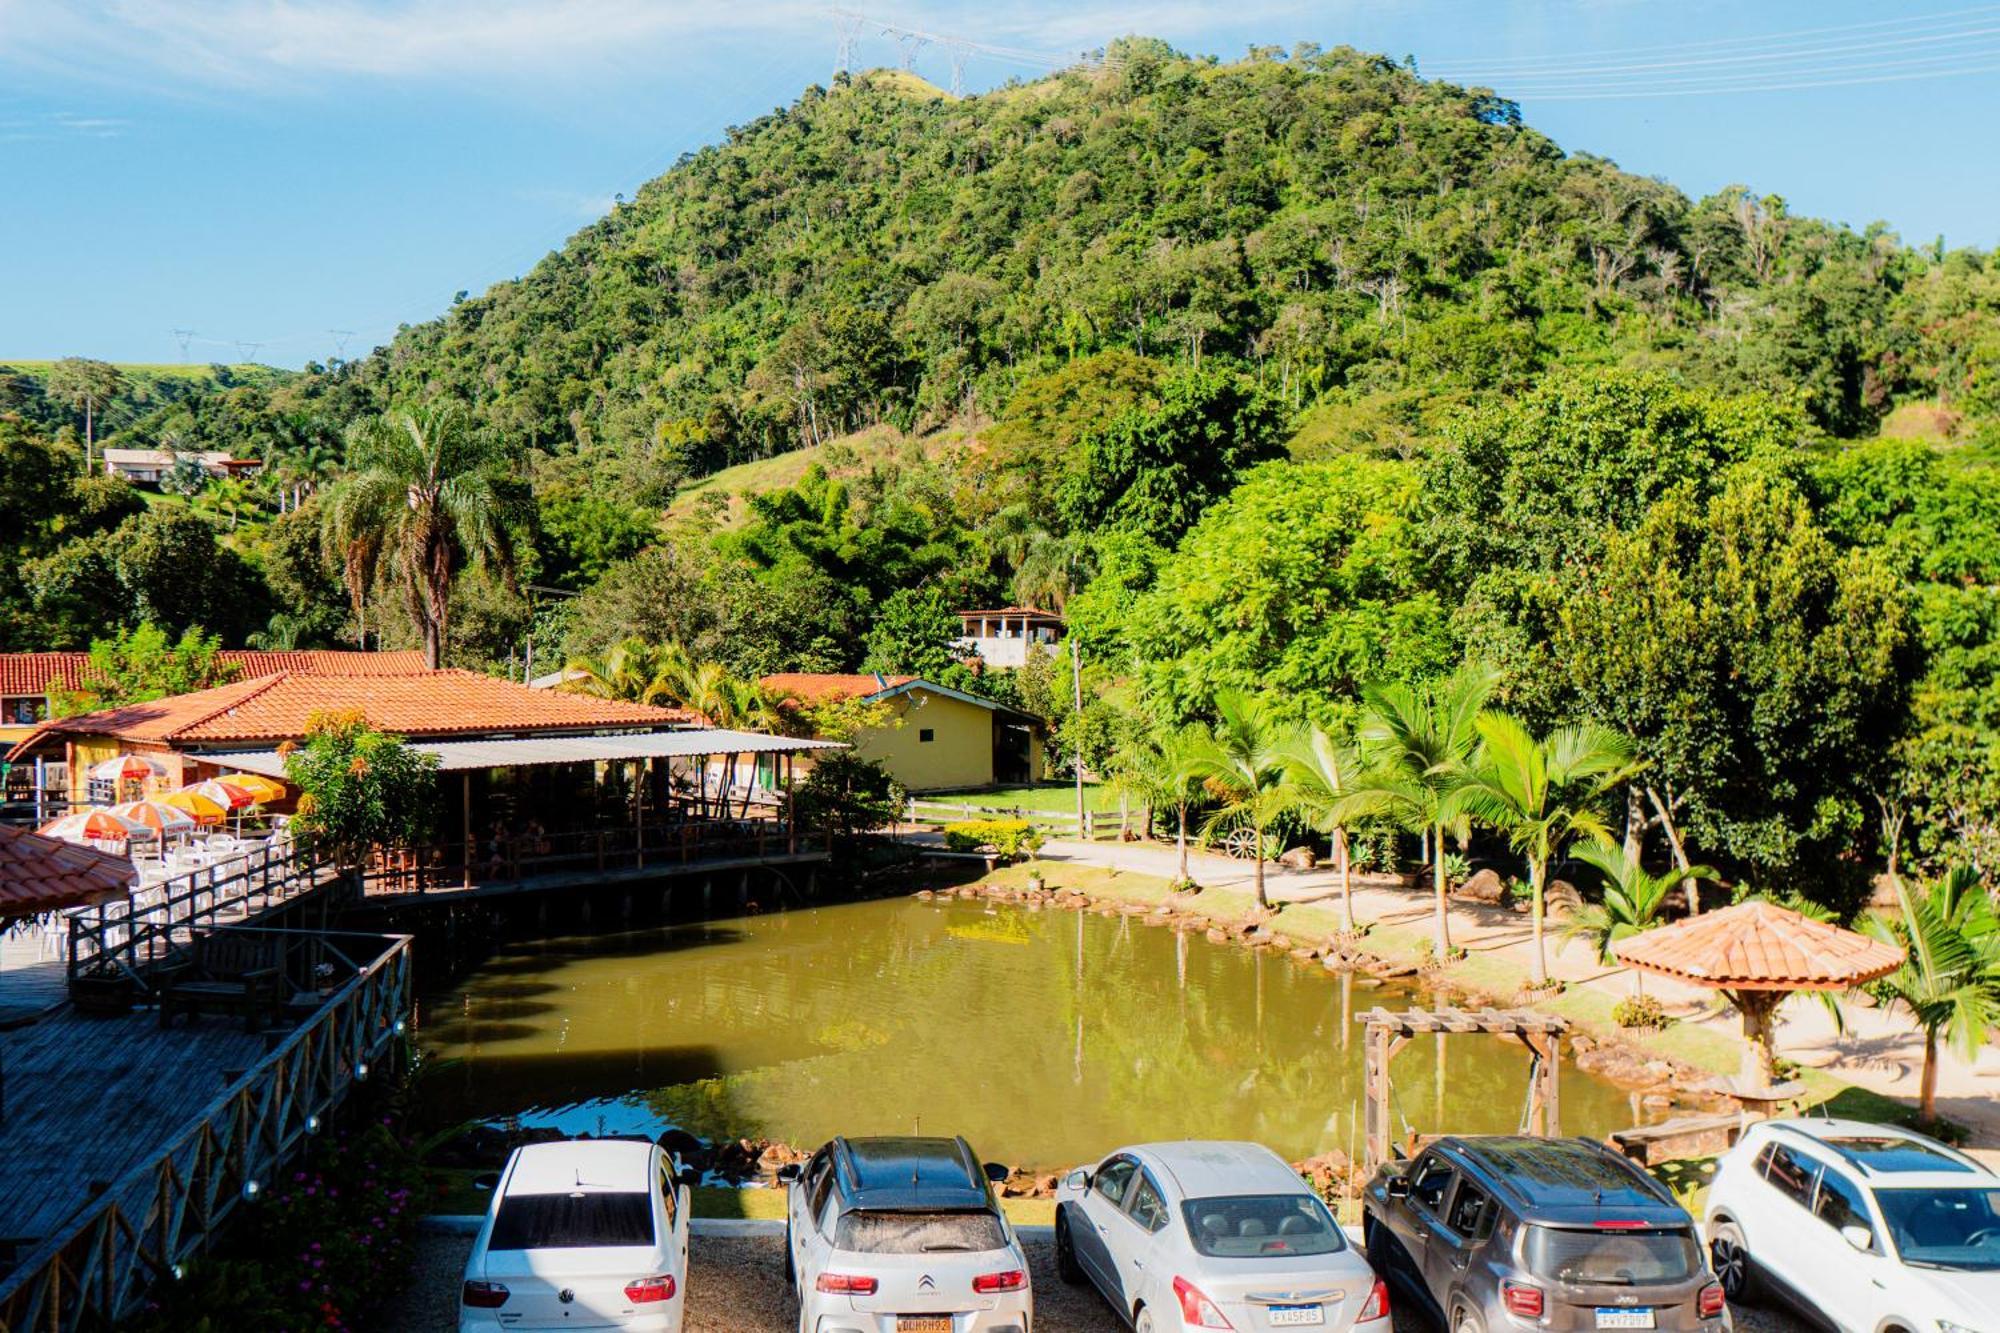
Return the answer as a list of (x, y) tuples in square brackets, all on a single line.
[(1148, 1209), (1472, 1212), (1790, 1173), (669, 1193), (1839, 1203), (1114, 1179), (918, 1233), (1952, 1228), (819, 1182), (573, 1221), (1615, 1258), (925, 735), (1257, 1226), (1433, 1183)]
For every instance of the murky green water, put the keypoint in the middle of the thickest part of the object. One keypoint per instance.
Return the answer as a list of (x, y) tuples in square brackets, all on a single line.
[(1044, 1037)]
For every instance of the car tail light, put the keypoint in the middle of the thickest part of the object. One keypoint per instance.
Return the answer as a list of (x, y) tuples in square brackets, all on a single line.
[(1620, 1224), (483, 1295), (1521, 1299), (846, 1284), (1712, 1301), (648, 1289), (1197, 1310), (1011, 1280), (1378, 1304)]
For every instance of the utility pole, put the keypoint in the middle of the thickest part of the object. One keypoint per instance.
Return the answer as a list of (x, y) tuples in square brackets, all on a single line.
[(1076, 755)]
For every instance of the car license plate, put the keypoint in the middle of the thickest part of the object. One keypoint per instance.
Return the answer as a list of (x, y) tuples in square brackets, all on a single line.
[(1624, 1318), (923, 1323), (1295, 1316)]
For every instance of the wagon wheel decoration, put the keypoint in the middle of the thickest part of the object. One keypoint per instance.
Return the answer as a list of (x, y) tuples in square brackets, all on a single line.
[(1241, 844)]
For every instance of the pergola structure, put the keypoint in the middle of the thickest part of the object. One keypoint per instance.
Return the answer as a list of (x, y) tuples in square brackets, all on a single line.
[(1387, 1033)]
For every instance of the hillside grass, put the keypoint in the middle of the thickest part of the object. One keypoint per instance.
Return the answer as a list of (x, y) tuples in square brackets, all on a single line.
[(848, 456), (1057, 797), (158, 370)]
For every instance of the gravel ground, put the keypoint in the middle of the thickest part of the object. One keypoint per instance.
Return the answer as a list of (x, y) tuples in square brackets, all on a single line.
[(738, 1286)]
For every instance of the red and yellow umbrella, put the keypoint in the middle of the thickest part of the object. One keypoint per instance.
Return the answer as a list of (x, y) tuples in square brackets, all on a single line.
[(128, 768), (263, 788), (203, 810), (225, 792), (94, 824), (155, 815)]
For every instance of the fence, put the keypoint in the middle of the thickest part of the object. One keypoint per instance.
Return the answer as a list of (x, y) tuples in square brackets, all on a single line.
[(1059, 823), (96, 1270), (120, 938), (446, 866)]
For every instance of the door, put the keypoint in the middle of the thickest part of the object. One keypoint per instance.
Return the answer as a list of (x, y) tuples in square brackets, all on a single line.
[(1095, 1223), (1419, 1217), (1781, 1242), (807, 1204), (1462, 1228), (1849, 1282), (1136, 1248)]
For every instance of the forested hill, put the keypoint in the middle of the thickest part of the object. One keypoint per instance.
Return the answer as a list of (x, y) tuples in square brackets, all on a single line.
[(1356, 236)]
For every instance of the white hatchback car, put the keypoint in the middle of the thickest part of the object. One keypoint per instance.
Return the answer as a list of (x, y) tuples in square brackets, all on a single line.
[(1204, 1235), (1865, 1228), (902, 1235), (582, 1234)]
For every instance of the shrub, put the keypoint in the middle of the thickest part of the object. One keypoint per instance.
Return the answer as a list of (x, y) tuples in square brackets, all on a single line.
[(846, 796), (1009, 837), (1639, 1011)]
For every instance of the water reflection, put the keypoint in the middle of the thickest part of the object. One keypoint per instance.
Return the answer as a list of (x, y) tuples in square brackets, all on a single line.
[(1044, 1037)]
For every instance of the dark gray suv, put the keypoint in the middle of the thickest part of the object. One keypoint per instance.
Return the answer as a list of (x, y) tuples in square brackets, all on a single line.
[(1499, 1233)]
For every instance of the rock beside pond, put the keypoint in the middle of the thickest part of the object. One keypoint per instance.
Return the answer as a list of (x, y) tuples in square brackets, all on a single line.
[(1328, 1172), (1216, 935), (1485, 886), (926, 895), (1560, 899)]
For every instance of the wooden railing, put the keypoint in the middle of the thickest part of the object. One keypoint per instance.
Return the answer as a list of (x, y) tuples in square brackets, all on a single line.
[(95, 1271), (126, 937), (1059, 823), (443, 866)]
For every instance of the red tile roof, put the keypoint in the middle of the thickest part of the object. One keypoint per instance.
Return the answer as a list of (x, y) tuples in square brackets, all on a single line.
[(26, 674), (424, 703), (1760, 946), (816, 686), (39, 874), (1032, 612)]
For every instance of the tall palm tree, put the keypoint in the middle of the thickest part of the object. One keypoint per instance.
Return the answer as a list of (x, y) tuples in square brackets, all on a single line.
[(1167, 771), (425, 498), (1950, 977), (629, 670), (1633, 898), (1321, 772), (1239, 762), (1541, 792), (1418, 740)]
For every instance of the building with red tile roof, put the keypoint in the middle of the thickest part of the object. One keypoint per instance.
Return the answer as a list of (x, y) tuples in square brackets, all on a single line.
[(931, 737), (39, 874)]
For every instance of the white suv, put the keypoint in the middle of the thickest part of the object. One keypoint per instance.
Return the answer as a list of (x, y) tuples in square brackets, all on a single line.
[(1865, 1228)]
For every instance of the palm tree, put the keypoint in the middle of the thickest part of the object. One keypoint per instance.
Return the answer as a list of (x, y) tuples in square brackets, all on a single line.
[(1418, 741), (629, 670), (1541, 793), (1633, 898), (1321, 772), (1238, 760), (426, 498), (1167, 770), (1949, 932)]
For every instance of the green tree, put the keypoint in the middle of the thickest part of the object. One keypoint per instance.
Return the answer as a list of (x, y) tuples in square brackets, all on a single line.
[(1949, 932), (1542, 791), (1418, 740), (1633, 900), (1168, 770), (87, 386), (140, 664), (426, 496), (358, 789), (1321, 772), (914, 634), (1239, 760)]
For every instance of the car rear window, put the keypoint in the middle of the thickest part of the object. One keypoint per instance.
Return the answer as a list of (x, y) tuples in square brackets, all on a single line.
[(573, 1221), (1607, 1258), (1255, 1226), (863, 1232)]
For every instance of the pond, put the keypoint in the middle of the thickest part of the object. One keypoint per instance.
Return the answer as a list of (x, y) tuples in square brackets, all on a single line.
[(1046, 1038)]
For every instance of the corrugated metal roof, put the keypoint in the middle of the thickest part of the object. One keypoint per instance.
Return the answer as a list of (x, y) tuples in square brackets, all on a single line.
[(526, 751)]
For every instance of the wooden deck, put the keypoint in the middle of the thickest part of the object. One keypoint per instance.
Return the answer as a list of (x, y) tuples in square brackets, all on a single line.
[(653, 871), (87, 1099)]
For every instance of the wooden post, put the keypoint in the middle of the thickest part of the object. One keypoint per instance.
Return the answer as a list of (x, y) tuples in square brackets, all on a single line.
[(639, 814), (466, 822), (791, 809)]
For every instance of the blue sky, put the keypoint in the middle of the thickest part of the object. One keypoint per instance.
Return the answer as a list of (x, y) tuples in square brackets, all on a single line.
[(265, 172)]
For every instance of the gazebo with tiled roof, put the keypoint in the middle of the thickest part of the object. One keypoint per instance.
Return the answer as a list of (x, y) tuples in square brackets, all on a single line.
[(39, 875), (1757, 953)]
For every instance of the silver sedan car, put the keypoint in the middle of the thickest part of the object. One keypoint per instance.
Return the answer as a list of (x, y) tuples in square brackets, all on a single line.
[(1200, 1235)]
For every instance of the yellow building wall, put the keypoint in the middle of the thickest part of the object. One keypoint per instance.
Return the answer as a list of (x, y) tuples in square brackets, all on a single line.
[(959, 753)]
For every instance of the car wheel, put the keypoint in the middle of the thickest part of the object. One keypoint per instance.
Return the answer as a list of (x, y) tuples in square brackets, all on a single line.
[(1464, 1321), (1734, 1269), (1066, 1266), (1143, 1321)]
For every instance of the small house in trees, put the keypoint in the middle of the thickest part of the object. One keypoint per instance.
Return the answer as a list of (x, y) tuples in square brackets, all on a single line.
[(1004, 638), (930, 737)]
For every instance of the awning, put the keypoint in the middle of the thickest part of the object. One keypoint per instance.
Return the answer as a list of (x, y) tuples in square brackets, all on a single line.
[(526, 751), (39, 874)]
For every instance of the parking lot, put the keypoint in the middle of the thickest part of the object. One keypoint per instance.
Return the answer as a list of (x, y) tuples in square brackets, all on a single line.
[(737, 1285)]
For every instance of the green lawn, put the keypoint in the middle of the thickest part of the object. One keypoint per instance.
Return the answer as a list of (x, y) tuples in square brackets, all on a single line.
[(1057, 797)]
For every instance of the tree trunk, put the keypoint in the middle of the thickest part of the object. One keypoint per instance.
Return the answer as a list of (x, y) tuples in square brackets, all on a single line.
[(1181, 841), (1927, 1097), (1441, 929), (1760, 1062), (433, 644), (1680, 851), (1538, 872), (1346, 879), (1262, 901), (1635, 823)]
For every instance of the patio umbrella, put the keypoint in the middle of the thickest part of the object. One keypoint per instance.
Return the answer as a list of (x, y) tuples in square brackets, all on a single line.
[(93, 824), (263, 788), (225, 792), (1757, 953), (158, 816), (128, 768), (204, 810)]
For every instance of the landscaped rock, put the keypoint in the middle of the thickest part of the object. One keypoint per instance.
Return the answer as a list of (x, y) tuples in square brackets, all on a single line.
[(1560, 899), (1299, 858), (1484, 886), (1216, 935)]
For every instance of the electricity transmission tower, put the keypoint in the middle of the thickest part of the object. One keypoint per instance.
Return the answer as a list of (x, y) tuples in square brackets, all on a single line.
[(340, 345), (186, 336)]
